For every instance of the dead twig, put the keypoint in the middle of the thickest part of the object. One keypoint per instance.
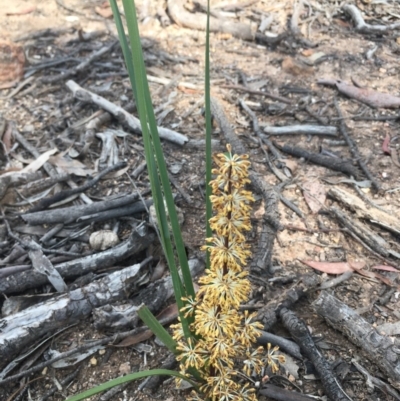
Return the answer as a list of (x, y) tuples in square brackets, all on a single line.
[(362, 27), (332, 163), (45, 203), (257, 131), (123, 116), (302, 130), (81, 66), (354, 150), (255, 92)]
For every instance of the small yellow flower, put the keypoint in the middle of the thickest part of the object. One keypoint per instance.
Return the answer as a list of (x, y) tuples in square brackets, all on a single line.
[(250, 329), (229, 254), (272, 358), (212, 322), (190, 306), (190, 355), (230, 289)]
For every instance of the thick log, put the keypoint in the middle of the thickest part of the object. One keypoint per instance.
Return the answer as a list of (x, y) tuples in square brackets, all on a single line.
[(381, 350)]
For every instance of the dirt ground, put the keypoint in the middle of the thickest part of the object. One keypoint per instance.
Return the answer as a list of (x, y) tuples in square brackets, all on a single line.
[(46, 114)]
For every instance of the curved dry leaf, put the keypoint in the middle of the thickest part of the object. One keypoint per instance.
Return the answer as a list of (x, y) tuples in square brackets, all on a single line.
[(386, 268), (314, 193), (38, 163), (333, 267), (368, 96)]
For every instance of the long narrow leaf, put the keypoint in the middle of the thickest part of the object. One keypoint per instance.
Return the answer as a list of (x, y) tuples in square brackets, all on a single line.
[(125, 379), (207, 98), (157, 168), (155, 326), (126, 51)]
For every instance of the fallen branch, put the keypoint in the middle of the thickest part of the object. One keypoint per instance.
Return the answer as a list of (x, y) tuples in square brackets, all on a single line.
[(71, 214), (362, 27), (301, 130), (22, 281), (122, 115), (332, 163), (182, 17), (26, 327)]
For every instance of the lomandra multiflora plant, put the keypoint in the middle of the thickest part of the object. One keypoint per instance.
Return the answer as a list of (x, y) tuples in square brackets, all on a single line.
[(223, 343)]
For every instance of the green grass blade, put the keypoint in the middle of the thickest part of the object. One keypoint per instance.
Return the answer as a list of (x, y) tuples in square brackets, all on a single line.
[(207, 101), (126, 51), (121, 380), (155, 326), (157, 169)]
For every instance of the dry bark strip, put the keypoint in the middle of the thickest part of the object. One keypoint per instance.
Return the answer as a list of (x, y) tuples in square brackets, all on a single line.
[(71, 214), (122, 115), (356, 228), (24, 328), (370, 97), (22, 281), (383, 351), (385, 220)]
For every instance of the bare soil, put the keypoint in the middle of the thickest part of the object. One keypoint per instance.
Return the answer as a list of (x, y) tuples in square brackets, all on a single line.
[(46, 114)]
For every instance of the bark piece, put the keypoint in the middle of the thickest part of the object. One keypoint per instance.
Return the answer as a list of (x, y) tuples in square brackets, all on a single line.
[(385, 220), (381, 350)]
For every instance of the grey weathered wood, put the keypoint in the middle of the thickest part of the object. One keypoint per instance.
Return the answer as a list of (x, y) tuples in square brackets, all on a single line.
[(381, 350), (22, 281), (71, 214), (22, 329)]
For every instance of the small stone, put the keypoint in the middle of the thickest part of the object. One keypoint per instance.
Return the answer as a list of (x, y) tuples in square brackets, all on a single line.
[(103, 239)]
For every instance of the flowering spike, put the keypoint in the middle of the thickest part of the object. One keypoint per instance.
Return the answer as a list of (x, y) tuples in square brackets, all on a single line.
[(223, 334)]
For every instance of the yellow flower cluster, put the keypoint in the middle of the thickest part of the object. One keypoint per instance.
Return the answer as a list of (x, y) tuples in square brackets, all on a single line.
[(223, 336)]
